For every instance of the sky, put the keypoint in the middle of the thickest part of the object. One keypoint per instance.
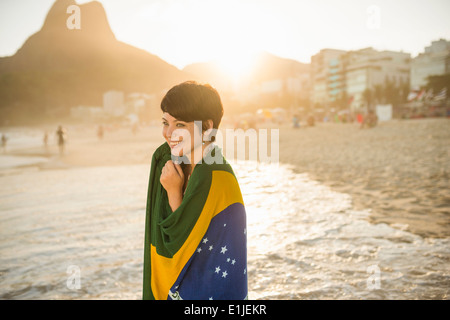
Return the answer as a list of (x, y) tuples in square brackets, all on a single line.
[(188, 31)]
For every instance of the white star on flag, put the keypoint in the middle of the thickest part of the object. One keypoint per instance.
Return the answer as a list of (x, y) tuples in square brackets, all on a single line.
[(221, 256)]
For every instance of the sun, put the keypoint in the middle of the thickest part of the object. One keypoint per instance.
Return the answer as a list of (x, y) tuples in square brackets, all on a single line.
[(236, 65), (229, 33)]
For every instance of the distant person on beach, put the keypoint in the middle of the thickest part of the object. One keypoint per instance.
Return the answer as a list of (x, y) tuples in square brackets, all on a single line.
[(45, 139), (359, 118), (61, 136), (4, 142), (135, 128), (310, 120), (295, 121), (195, 231), (100, 132), (370, 120)]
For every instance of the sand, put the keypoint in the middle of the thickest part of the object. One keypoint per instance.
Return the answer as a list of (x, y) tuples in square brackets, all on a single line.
[(399, 170)]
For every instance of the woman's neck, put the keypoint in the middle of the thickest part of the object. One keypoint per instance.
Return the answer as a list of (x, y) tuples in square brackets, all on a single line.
[(192, 157)]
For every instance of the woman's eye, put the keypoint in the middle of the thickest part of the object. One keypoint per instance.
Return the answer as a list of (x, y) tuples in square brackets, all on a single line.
[(179, 125)]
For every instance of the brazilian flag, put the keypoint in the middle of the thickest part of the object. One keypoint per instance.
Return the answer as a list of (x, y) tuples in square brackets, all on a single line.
[(198, 251)]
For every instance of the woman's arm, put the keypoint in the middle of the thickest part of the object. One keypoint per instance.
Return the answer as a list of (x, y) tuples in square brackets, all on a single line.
[(172, 179), (175, 199)]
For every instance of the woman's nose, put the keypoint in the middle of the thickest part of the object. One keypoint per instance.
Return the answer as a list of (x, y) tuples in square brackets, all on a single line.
[(173, 133), (169, 131)]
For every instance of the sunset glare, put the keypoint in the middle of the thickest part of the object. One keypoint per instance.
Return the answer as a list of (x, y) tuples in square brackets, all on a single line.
[(236, 66), (224, 150), (185, 32)]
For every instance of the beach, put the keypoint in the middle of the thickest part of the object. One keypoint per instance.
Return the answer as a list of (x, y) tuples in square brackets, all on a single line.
[(399, 169), (343, 206)]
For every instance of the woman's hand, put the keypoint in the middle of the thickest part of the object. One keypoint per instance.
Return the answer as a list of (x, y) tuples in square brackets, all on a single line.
[(172, 179)]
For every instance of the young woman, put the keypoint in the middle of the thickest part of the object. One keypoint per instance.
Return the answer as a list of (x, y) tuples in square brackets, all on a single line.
[(195, 231)]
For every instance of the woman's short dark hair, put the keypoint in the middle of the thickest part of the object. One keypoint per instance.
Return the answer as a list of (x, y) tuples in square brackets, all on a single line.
[(192, 101)]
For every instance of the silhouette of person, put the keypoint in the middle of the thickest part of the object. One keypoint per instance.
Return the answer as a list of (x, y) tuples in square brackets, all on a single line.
[(100, 132), (45, 139), (4, 141), (296, 121), (61, 135)]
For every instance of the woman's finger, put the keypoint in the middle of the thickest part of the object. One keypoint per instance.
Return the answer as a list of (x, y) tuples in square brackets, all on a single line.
[(169, 166), (179, 170)]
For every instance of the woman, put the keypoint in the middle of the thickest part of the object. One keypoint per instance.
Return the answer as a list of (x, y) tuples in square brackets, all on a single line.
[(195, 231)]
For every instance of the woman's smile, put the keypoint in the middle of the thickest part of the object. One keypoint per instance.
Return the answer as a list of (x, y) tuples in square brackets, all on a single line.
[(174, 144)]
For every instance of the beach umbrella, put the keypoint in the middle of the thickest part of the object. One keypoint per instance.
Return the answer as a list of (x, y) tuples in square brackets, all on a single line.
[(265, 113)]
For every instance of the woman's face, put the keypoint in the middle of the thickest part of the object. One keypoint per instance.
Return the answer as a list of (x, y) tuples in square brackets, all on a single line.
[(182, 137)]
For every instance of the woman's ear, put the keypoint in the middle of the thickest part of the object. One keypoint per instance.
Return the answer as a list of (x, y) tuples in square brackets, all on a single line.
[(209, 132), (207, 125)]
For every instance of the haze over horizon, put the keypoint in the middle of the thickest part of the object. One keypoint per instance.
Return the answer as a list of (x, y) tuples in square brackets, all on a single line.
[(186, 32)]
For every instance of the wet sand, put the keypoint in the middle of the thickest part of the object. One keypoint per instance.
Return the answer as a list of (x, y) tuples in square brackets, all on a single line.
[(399, 170)]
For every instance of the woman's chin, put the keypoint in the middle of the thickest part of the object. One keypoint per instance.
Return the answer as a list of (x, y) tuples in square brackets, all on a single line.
[(176, 152)]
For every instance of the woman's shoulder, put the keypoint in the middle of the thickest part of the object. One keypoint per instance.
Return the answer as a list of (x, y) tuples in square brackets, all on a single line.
[(215, 166), (215, 161), (162, 152), (164, 148)]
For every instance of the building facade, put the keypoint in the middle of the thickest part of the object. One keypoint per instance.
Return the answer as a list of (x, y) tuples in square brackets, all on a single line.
[(340, 79), (327, 76), (434, 61), (368, 72)]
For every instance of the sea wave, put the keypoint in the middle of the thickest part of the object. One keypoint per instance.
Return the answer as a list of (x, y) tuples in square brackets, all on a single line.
[(305, 241)]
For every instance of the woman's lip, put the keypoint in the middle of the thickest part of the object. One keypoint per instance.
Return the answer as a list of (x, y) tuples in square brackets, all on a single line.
[(173, 144)]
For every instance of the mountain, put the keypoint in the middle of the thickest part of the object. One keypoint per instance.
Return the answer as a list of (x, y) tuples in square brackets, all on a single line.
[(269, 82), (58, 68), (270, 67), (265, 67)]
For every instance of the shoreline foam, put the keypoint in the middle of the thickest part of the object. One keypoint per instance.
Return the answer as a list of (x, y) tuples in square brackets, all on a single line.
[(399, 170)]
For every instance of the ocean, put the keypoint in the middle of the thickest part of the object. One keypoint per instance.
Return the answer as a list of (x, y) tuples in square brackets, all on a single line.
[(77, 233)]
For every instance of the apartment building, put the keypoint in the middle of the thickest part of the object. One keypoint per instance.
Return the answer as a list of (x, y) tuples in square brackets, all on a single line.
[(434, 61), (340, 78)]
